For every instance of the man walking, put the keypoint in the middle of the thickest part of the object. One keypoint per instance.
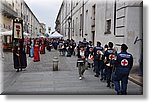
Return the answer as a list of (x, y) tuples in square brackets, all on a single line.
[(109, 56), (98, 60), (123, 65)]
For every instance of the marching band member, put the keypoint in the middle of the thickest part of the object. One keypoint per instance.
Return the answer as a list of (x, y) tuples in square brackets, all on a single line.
[(123, 65)]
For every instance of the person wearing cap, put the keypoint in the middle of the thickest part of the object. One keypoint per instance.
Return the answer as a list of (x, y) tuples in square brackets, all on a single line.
[(123, 65), (109, 57), (98, 60)]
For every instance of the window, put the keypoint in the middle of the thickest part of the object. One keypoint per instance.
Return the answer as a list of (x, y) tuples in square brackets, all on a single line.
[(73, 29), (80, 30), (108, 26), (93, 15), (76, 26)]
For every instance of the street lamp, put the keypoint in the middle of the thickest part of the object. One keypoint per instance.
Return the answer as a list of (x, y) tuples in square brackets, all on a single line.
[(69, 21)]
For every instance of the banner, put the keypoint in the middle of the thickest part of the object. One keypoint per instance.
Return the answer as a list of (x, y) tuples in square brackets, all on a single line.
[(18, 29)]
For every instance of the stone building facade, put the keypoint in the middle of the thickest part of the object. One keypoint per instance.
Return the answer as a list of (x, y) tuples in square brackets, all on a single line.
[(119, 21), (11, 9)]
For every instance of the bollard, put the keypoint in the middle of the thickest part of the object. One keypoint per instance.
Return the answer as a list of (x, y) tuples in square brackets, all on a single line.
[(55, 64)]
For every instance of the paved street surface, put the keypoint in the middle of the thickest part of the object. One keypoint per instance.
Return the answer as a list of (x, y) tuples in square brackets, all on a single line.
[(39, 78)]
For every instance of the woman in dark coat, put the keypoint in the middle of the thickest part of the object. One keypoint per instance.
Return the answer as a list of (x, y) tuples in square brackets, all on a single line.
[(19, 57)]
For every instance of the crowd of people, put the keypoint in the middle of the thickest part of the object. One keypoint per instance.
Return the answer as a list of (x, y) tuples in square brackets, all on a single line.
[(107, 64)]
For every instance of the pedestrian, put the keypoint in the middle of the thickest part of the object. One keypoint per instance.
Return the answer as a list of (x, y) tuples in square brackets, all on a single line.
[(31, 49), (78, 47), (123, 65), (16, 58), (69, 48), (36, 51), (85, 43), (19, 57), (42, 47), (81, 62), (109, 56), (72, 46), (90, 56), (61, 46), (98, 60), (23, 55), (55, 44), (104, 65), (66, 45), (28, 48), (49, 45)]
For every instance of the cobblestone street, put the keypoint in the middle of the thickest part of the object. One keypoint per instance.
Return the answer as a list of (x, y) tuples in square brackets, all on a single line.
[(39, 78)]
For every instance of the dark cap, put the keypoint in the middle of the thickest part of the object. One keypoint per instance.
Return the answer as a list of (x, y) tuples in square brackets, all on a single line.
[(81, 46), (124, 47), (106, 46), (110, 44), (98, 43)]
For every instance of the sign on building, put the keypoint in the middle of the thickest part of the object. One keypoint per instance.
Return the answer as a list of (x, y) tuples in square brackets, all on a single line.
[(18, 29)]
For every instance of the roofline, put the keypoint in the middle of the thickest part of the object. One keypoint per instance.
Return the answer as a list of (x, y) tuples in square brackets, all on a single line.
[(31, 11), (60, 10)]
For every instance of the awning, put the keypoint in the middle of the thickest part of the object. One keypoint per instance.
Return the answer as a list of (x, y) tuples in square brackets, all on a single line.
[(10, 33), (56, 35)]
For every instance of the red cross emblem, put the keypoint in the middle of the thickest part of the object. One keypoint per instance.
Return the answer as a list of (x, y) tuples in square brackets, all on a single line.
[(124, 62), (112, 57)]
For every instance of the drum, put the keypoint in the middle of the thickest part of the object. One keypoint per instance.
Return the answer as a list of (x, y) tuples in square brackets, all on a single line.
[(90, 61)]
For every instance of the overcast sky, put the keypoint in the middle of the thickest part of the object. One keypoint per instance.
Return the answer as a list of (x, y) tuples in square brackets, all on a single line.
[(45, 10)]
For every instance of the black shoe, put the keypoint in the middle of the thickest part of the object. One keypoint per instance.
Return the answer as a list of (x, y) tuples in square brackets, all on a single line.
[(108, 85), (96, 75), (101, 79), (123, 93), (112, 85), (118, 93), (17, 70)]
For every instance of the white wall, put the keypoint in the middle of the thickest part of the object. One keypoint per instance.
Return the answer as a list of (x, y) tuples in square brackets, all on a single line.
[(104, 11), (134, 29)]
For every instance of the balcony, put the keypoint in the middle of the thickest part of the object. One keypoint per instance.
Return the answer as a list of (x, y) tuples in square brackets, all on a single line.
[(8, 11)]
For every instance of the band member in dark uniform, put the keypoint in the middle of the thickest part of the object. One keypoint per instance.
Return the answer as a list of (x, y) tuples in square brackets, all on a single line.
[(104, 65), (90, 56), (123, 65), (110, 55), (98, 62), (55, 44)]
